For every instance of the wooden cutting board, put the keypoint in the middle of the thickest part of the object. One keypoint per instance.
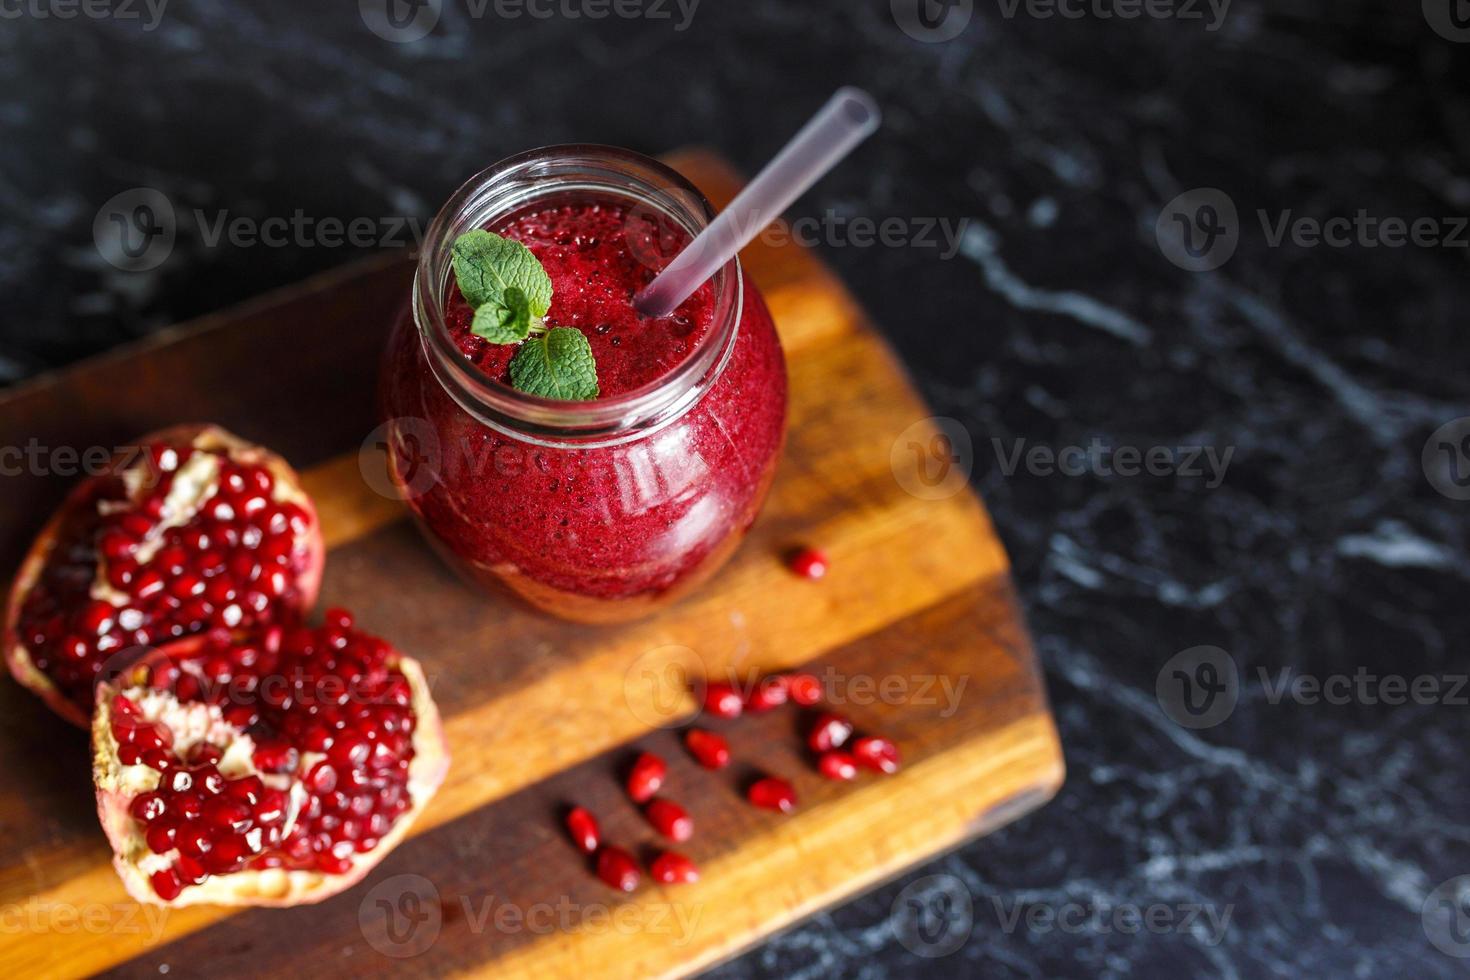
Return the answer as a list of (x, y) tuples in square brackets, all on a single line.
[(917, 624)]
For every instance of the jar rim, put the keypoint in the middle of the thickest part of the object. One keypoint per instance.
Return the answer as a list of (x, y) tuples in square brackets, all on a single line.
[(511, 184)]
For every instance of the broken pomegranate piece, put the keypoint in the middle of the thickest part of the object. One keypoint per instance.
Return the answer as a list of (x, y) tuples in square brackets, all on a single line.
[(195, 529), (266, 767)]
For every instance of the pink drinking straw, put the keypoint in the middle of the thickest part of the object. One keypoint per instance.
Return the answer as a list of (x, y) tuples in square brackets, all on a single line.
[(847, 119)]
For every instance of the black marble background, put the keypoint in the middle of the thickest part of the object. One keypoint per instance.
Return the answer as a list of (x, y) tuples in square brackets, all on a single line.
[(1320, 830)]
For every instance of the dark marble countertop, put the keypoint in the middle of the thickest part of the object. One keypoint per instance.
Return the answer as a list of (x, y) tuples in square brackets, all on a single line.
[(1298, 510)]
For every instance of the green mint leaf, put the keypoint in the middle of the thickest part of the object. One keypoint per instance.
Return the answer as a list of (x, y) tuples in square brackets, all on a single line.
[(486, 266), (507, 323), (556, 365)]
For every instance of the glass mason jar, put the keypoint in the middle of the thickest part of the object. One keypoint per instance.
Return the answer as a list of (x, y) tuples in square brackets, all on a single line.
[(598, 510)]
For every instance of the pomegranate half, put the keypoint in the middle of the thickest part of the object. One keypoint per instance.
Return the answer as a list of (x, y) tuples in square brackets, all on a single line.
[(197, 529), (271, 767)]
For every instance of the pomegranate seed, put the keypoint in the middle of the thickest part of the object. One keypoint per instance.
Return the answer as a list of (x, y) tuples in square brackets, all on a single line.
[(272, 807), (837, 765), (340, 618), (135, 526), (617, 869), (809, 563), (165, 459), (350, 751), (670, 819), (317, 739), (186, 585), (275, 756), (829, 732), (770, 693), (167, 884), (223, 813), (209, 779), (878, 754), (710, 749), (147, 807), (771, 793), (190, 870), (97, 617), (154, 758), (203, 753), (723, 701), (160, 838), (75, 648), (178, 781), (246, 789), (805, 689), (646, 778), (670, 868), (148, 583), (227, 856), (171, 559), (116, 546), (583, 827), (120, 575), (194, 841), (322, 778), (187, 806)]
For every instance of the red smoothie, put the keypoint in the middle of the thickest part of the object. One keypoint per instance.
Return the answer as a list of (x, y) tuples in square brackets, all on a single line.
[(600, 521)]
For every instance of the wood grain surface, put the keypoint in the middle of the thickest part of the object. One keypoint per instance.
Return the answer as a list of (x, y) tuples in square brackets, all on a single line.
[(915, 631)]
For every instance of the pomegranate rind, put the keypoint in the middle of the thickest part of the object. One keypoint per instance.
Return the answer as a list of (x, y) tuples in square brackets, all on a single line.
[(273, 887), (210, 438)]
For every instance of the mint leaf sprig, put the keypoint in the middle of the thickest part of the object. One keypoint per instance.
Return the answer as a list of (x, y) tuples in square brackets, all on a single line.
[(511, 295)]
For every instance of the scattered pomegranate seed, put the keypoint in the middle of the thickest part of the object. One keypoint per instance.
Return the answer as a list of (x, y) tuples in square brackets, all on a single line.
[(772, 793), (878, 754), (670, 868), (840, 766), (617, 869), (583, 827), (770, 693), (723, 701), (646, 778), (712, 751), (809, 563), (804, 689), (670, 819), (829, 732)]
